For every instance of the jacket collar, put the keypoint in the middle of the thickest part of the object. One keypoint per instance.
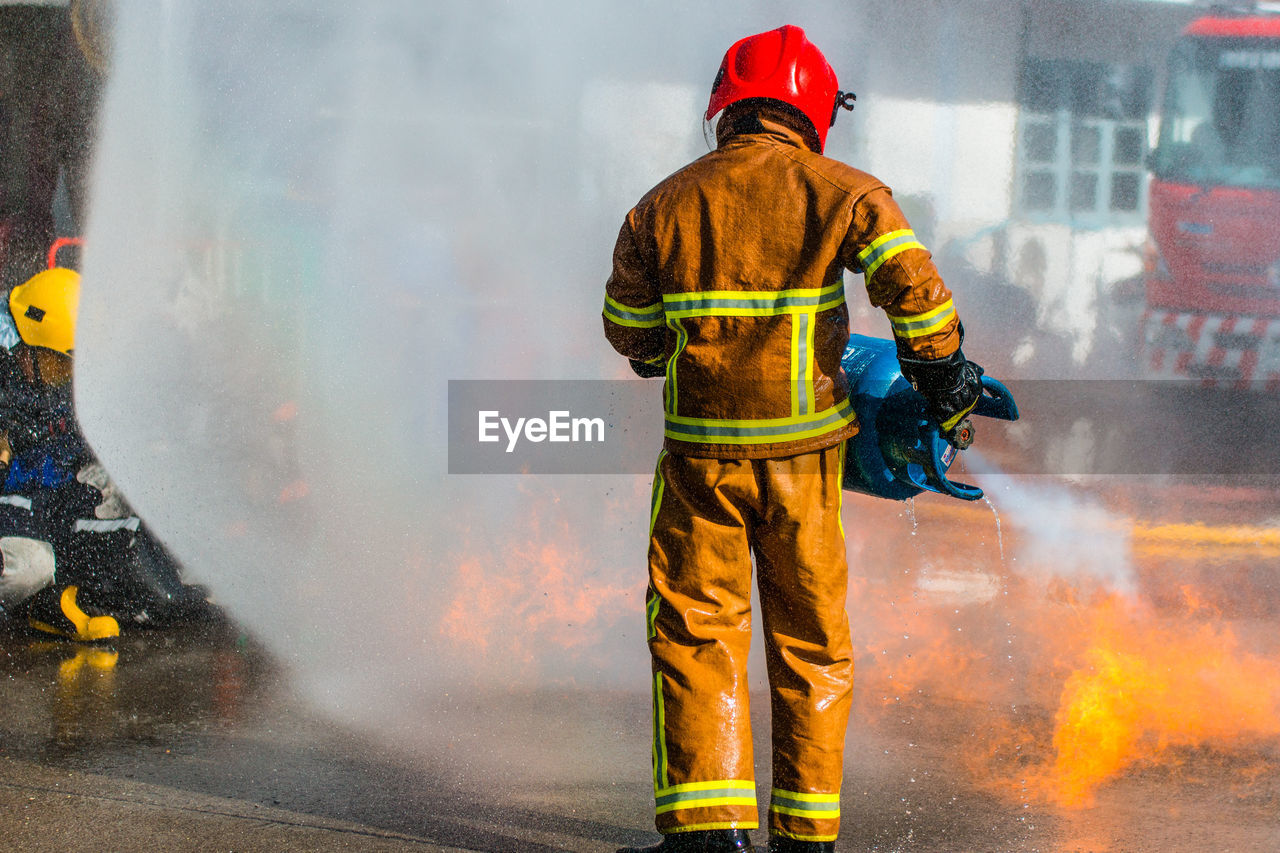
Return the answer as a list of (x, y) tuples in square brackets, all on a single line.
[(744, 126)]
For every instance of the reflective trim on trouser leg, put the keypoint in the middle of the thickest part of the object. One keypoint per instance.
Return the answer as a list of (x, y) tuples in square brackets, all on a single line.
[(699, 638), (820, 814), (707, 800), (659, 737), (704, 805), (700, 795), (803, 578)]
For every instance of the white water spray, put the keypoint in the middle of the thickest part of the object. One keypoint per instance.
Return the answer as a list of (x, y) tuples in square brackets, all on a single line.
[(306, 217), (1064, 534)]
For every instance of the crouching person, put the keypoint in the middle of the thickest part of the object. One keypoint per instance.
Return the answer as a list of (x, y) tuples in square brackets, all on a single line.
[(76, 558)]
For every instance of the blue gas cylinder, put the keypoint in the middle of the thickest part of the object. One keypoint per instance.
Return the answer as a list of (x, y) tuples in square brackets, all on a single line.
[(898, 451)]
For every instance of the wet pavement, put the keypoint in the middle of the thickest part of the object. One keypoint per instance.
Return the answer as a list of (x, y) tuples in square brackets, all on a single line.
[(189, 743), (195, 740)]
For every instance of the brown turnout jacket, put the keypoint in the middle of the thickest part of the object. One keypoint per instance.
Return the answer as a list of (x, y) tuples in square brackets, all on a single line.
[(731, 273)]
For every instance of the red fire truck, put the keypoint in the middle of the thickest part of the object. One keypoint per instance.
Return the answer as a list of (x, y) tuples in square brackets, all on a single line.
[(1213, 259)]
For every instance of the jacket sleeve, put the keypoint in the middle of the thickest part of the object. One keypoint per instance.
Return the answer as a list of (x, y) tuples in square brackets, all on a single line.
[(633, 316), (901, 278)]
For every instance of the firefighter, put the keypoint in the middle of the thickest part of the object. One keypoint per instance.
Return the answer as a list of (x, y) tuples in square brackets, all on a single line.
[(728, 280), (72, 552)]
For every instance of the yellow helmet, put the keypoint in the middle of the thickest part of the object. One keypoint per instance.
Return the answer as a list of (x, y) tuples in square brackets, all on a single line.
[(44, 309)]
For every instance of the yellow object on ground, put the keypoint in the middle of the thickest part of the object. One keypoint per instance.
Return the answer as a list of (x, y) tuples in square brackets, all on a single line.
[(74, 623)]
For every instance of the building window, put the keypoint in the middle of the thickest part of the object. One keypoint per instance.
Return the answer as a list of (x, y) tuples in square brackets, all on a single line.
[(1082, 139)]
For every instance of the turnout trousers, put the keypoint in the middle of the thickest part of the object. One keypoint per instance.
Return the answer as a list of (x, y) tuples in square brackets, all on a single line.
[(709, 518)]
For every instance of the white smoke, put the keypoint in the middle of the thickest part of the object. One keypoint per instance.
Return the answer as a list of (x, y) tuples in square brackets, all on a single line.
[(306, 217), (1063, 533)]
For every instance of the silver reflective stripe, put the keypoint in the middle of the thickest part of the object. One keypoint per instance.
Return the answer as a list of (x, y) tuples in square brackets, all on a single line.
[(816, 806), (107, 525), (764, 303), (885, 247), (705, 794), (802, 389), (701, 795), (764, 432), (644, 317), (670, 389), (16, 500), (917, 325)]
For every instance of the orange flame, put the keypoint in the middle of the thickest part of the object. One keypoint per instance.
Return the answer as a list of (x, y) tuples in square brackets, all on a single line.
[(1074, 684), (1147, 690), (544, 594)]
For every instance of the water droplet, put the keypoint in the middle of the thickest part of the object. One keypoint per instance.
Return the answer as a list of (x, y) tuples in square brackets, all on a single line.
[(999, 533)]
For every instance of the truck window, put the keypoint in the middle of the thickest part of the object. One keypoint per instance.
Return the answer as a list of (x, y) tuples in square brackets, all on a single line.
[(1221, 123)]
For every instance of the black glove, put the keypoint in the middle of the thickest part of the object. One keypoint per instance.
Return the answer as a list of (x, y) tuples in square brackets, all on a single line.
[(951, 386), (645, 370)]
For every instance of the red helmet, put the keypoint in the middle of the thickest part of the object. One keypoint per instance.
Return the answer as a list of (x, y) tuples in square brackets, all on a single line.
[(784, 65)]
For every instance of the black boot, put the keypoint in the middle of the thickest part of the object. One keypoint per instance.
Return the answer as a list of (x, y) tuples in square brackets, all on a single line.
[(699, 841), (779, 844)]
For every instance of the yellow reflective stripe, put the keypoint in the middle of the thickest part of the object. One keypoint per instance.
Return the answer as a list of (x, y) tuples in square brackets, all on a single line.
[(659, 486), (659, 737), (720, 310), (956, 418), (669, 389), (948, 306), (802, 302), (872, 250), (761, 431), (651, 614), (815, 806), (753, 303), (709, 802), (644, 317), (802, 402), (685, 787), (699, 795), (885, 247), (917, 325), (651, 605), (844, 447), (795, 365)]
